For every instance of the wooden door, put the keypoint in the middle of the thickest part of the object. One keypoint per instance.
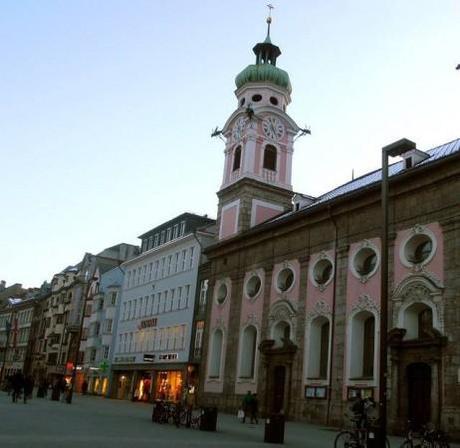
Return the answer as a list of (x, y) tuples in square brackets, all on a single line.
[(419, 393), (279, 380)]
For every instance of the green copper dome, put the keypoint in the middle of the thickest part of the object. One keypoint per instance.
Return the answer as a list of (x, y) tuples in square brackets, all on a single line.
[(264, 73)]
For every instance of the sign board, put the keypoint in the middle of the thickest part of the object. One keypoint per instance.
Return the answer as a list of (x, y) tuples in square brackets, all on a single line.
[(149, 357)]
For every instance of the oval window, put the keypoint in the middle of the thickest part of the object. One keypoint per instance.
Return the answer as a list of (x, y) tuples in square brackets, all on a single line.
[(222, 293), (256, 98), (285, 279), (322, 271), (253, 286), (365, 261), (418, 248), (274, 100), (243, 100)]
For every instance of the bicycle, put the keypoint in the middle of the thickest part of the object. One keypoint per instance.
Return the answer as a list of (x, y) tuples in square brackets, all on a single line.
[(358, 436), (428, 437)]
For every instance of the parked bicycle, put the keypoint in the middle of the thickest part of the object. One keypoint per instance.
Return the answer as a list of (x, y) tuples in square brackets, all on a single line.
[(363, 428), (426, 437)]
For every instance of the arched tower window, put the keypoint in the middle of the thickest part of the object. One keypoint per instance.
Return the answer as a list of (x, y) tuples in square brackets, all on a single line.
[(237, 158), (248, 352), (270, 158), (319, 348), (216, 354)]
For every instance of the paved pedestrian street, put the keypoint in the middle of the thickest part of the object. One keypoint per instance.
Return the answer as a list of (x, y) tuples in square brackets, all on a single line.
[(98, 422)]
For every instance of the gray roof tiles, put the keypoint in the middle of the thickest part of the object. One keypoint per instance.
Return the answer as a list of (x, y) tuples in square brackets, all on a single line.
[(366, 180)]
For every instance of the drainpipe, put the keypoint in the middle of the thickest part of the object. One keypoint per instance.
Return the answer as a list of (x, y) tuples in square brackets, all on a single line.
[(328, 410)]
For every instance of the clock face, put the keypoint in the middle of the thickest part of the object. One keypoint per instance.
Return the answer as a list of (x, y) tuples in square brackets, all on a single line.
[(273, 128), (238, 128)]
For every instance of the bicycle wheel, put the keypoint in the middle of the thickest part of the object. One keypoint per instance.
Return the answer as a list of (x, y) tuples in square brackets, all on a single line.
[(406, 444), (346, 439)]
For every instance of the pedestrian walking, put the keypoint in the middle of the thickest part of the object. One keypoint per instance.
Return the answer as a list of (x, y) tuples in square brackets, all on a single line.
[(254, 408), (28, 387), (17, 385), (245, 405)]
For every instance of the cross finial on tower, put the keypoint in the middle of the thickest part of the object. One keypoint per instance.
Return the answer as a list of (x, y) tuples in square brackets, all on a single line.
[(269, 19)]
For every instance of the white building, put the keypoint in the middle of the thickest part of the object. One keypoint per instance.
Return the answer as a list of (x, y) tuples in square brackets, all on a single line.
[(152, 351)]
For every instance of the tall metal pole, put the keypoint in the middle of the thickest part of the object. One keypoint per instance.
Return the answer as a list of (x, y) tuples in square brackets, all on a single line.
[(383, 305)]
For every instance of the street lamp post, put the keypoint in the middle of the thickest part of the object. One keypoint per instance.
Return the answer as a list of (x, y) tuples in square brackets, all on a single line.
[(392, 150)]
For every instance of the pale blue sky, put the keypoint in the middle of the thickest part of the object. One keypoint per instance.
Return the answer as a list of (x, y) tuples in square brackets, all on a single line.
[(106, 107)]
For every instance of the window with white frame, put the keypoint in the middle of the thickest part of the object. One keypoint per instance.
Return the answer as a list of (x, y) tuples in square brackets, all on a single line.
[(182, 228), (216, 353), (184, 259), (318, 354), (168, 234), (105, 352), (175, 230), (248, 352), (362, 345), (191, 257)]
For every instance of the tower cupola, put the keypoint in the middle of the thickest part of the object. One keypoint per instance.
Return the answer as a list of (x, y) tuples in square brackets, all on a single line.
[(265, 69)]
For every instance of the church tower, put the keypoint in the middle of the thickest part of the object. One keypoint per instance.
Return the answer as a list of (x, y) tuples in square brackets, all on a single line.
[(259, 136)]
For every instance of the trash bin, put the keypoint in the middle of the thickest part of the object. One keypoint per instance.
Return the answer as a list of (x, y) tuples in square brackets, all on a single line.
[(274, 429), (373, 437), (208, 419)]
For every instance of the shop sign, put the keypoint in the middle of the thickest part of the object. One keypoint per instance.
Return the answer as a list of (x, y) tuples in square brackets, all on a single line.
[(148, 323), (125, 359), (168, 357), (149, 357)]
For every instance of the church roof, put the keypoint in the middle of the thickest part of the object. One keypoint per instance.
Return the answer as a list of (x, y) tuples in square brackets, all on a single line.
[(375, 177)]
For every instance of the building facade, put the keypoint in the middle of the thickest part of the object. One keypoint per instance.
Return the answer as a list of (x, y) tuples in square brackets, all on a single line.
[(16, 321), (104, 294), (294, 307), (152, 354)]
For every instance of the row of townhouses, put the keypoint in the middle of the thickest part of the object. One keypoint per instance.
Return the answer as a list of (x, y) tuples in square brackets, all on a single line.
[(281, 295)]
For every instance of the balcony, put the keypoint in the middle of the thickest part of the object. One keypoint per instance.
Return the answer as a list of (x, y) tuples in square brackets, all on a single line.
[(269, 175)]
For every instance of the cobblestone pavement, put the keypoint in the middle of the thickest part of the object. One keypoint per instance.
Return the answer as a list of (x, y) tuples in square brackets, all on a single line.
[(98, 422)]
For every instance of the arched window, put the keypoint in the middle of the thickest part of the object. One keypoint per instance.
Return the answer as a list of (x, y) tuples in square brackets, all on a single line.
[(418, 321), (368, 349), (281, 333), (319, 348), (237, 158), (362, 345), (216, 354), (425, 323), (270, 158), (248, 352)]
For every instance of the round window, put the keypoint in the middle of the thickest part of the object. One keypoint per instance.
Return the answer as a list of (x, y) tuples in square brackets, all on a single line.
[(222, 293), (274, 100), (256, 98), (243, 100), (418, 248), (322, 271), (253, 286), (285, 279), (365, 261)]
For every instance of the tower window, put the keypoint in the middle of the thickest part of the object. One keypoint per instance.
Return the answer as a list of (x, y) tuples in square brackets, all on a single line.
[(243, 100), (256, 98), (274, 100), (237, 158), (270, 158)]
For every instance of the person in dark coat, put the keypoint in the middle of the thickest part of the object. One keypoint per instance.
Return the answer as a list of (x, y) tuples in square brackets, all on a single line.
[(254, 408), (28, 387), (17, 385), (56, 392)]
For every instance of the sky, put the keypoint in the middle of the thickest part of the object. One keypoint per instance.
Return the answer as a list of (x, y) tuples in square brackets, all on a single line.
[(106, 107)]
